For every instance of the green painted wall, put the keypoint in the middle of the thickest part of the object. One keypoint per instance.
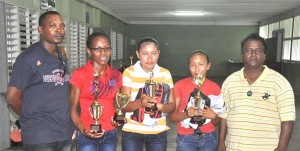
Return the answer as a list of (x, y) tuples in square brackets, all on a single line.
[(178, 41), (109, 21), (76, 11), (94, 16), (31, 4)]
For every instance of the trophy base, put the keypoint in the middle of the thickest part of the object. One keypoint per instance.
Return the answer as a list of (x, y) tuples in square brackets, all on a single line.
[(197, 120), (151, 109), (96, 128), (120, 119)]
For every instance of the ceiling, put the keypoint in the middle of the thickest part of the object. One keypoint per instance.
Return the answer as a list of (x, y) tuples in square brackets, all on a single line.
[(217, 12)]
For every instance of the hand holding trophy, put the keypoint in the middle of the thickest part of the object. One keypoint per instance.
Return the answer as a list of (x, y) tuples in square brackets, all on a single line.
[(96, 108), (198, 102), (122, 99), (150, 89)]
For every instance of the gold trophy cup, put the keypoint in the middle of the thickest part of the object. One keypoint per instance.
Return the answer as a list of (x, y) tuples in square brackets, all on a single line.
[(198, 102), (151, 91), (96, 110), (122, 99)]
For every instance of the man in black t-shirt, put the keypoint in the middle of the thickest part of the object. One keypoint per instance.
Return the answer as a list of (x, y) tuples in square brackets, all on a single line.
[(38, 89)]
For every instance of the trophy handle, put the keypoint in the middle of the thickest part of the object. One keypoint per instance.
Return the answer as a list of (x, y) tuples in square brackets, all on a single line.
[(90, 111), (126, 103), (117, 99)]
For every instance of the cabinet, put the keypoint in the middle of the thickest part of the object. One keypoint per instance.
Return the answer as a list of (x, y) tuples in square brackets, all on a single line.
[(78, 37), (21, 31)]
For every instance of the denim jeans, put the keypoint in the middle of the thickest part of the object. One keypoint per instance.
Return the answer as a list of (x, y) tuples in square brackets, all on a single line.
[(63, 145), (192, 142), (107, 142), (135, 141)]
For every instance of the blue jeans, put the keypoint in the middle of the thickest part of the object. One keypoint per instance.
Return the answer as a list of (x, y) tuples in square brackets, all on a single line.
[(135, 141), (63, 145), (192, 142), (107, 142)]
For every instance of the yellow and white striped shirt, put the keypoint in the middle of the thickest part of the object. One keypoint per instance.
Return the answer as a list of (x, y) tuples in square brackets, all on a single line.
[(253, 122), (135, 78)]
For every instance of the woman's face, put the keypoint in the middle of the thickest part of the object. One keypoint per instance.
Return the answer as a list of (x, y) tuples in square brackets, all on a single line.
[(100, 50), (148, 55), (198, 64)]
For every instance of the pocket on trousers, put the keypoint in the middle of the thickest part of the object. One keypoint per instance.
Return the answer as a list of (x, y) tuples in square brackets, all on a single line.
[(126, 135), (162, 135)]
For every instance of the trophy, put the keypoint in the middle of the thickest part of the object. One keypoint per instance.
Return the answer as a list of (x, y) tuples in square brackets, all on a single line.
[(131, 57), (150, 89), (199, 102), (122, 99), (96, 108)]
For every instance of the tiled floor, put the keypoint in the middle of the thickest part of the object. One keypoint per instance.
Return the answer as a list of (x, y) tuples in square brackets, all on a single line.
[(293, 146)]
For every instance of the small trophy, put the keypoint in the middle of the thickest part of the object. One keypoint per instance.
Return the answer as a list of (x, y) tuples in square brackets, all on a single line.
[(198, 102), (150, 89), (96, 108), (131, 58), (122, 99)]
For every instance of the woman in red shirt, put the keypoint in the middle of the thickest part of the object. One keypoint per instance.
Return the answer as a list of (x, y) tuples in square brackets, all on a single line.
[(96, 81), (201, 136)]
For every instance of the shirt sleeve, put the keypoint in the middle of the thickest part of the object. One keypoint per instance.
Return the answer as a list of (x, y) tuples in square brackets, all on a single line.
[(21, 74), (169, 80), (177, 92), (127, 79), (286, 103), (75, 79), (225, 94)]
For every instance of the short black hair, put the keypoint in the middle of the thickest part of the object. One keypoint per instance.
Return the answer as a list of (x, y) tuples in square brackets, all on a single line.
[(254, 36), (200, 52), (92, 36), (146, 40), (44, 15)]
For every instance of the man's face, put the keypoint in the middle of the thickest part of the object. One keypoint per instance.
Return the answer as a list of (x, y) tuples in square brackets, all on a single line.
[(253, 54), (53, 29)]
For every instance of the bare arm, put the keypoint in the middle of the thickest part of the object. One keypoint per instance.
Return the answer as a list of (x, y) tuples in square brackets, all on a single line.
[(177, 116), (285, 135), (169, 107), (74, 98), (210, 114), (222, 134), (132, 105), (14, 99)]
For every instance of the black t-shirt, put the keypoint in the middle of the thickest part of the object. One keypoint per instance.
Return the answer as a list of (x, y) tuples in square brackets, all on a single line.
[(45, 101)]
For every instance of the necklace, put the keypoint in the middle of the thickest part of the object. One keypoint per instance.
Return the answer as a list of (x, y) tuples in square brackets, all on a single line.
[(250, 82)]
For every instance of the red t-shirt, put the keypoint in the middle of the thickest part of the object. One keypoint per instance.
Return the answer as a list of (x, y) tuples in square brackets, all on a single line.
[(182, 89), (109, 84)]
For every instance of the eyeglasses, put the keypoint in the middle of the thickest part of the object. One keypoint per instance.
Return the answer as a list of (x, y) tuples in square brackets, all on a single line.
[(64, 66), (99, 49)]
